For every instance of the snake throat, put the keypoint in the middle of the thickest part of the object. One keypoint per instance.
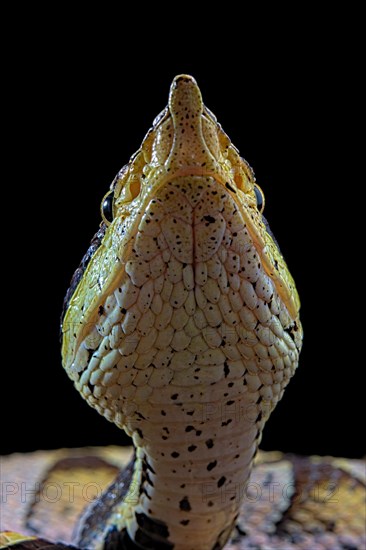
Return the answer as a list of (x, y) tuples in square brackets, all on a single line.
[(183, 330)]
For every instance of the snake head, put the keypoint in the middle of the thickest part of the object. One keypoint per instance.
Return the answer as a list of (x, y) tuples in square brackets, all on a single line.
[(186, 141)]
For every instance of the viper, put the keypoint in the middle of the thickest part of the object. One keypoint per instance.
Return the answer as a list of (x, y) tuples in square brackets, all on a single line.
[(182, 327)]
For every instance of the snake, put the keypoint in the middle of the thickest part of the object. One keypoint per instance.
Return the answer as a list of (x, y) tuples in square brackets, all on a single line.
[(182, 327)]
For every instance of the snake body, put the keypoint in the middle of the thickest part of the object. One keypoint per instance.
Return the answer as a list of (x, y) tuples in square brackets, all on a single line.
[(182, 327)]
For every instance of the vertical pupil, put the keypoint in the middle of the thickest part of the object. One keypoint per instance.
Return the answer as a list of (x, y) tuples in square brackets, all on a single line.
[(259, 197), (108, 207)]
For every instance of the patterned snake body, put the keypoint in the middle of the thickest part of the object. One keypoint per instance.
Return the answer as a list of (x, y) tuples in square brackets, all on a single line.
[(183, 329)]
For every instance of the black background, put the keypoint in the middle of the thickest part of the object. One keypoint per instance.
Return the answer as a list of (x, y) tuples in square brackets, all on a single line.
[(83, 106)]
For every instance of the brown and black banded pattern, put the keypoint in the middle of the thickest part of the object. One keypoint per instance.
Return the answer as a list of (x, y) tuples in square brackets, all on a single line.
[(325, 510)]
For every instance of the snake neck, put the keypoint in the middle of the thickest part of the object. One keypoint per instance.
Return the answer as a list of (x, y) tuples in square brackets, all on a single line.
[(176, 501)]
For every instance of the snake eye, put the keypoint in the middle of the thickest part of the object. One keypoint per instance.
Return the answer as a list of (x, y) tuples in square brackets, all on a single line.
[(260, 197), (107, 207)]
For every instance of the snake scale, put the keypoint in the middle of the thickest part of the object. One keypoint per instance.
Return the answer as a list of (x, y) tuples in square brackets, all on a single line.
[(182, 327)]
